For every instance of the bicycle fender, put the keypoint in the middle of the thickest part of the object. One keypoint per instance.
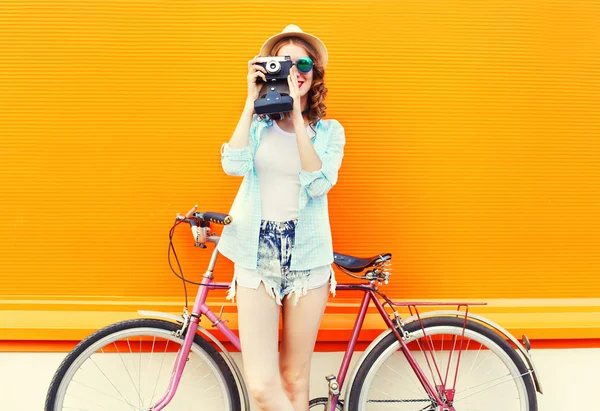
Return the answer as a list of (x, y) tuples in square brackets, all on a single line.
[(226, 355), (349, 382)]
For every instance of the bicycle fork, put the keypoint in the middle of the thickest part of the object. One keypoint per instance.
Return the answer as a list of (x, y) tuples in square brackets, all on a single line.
[(188, 329)]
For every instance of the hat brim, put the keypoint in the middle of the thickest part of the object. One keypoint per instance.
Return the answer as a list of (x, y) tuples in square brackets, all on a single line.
[(312, 40)]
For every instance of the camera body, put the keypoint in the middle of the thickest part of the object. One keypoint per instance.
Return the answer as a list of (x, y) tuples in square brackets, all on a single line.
[(278, 68), (274, 96)]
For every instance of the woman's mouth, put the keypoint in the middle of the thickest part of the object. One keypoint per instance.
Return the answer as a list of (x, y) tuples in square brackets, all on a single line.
[(300, 83)]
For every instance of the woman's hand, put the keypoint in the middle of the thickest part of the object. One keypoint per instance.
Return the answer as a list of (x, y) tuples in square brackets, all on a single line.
[(255, 71), (295, 91), (190, 213)]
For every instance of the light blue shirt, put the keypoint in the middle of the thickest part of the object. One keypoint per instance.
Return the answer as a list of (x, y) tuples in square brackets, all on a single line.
[(313, 243)]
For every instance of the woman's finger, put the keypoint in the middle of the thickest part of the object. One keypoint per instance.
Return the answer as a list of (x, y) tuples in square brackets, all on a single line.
[(259, 74), (191, 212), (252, 62), (259, 67), (255, 75), (293, 88)]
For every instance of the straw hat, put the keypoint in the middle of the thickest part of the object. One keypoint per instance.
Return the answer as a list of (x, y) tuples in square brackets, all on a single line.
[(293, 30)]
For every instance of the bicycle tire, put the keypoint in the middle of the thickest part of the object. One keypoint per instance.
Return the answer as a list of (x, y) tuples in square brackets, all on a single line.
[(390, 342), (160, 326), (322, 402)]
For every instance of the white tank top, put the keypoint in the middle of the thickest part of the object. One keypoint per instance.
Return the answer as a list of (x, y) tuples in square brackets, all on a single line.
[(277, 163)]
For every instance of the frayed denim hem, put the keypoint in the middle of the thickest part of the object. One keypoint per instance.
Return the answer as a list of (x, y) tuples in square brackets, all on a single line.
[(298, 290)]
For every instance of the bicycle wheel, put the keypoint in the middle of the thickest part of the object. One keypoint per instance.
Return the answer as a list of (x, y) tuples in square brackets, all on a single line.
[(491, 374), (128, 365)]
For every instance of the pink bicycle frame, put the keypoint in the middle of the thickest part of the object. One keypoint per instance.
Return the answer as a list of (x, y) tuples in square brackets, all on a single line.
[(200, 308)]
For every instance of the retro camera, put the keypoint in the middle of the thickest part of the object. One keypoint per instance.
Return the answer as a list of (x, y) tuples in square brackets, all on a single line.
[(274, 96)]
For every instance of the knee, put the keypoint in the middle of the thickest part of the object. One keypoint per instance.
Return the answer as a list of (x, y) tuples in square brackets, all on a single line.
[(295, 384), (262, 392)]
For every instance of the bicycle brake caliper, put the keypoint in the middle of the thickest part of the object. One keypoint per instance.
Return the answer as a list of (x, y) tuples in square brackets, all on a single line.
[(400, 325), (186, 322)]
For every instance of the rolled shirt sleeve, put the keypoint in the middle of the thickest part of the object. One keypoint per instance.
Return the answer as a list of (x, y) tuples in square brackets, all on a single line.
[(319, 182), (238, 161)]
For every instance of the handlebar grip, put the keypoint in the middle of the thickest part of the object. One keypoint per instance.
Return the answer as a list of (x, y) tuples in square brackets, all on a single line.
[(218, 218)]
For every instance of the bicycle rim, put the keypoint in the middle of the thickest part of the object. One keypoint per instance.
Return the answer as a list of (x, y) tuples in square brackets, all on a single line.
[(488, 378), (130, 370)]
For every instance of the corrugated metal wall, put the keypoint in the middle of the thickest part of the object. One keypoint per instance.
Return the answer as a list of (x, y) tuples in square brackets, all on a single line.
[(472, 140)]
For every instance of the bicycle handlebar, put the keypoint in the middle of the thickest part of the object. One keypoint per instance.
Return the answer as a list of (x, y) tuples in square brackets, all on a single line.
[(200, 224), (208, 216), (218, 218)]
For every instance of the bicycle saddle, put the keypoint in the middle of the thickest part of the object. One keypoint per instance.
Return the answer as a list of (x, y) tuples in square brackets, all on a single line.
[(356, 264)]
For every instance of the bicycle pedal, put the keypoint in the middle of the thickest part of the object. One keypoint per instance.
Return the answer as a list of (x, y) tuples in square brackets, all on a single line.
[(334, 387)]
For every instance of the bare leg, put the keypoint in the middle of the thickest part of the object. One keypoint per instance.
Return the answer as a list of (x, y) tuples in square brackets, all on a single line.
[(258, 322), (300, 327)]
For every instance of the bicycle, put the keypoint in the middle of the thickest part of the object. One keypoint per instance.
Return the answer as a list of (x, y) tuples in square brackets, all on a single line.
[(412, 366)]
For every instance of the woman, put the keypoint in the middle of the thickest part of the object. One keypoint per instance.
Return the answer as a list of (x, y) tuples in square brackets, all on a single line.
[(280, 237)]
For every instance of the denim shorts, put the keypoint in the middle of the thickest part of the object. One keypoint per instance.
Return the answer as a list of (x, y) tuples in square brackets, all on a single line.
[(275, 246)]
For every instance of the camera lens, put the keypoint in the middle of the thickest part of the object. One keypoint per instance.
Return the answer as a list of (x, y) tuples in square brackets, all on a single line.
[(273, 66)]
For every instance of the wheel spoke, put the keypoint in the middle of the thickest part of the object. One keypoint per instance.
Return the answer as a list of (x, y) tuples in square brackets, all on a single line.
[(102, 392), (149, 364), (404, 377), (427, 360), (450, 355), (159, 372), (98, 406), (111, 383), (126, 369), (434, 356), (495, 385)]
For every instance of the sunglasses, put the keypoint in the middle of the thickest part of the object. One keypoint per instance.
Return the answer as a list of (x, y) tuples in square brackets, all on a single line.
[(304, 64)]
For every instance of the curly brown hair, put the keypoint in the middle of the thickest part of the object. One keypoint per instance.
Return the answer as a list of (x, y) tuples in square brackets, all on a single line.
[(316, 95)]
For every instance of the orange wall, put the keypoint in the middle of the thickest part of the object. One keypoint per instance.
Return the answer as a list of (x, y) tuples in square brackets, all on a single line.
[(472, 140)]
